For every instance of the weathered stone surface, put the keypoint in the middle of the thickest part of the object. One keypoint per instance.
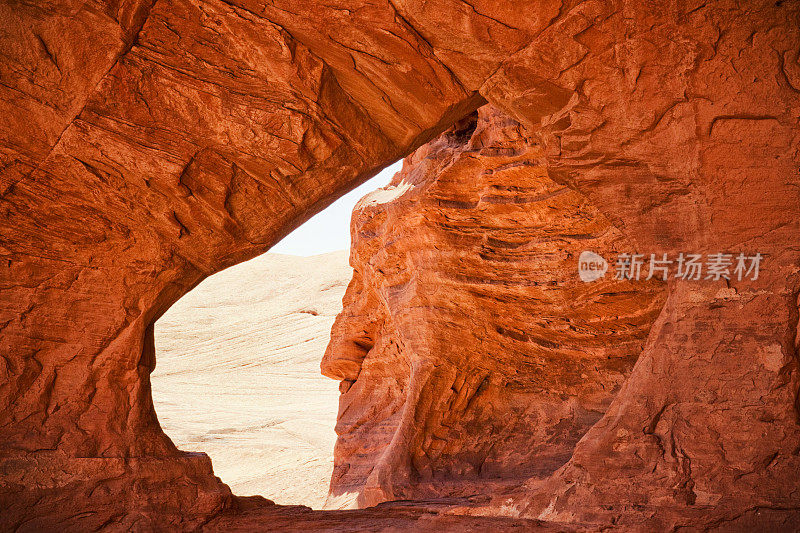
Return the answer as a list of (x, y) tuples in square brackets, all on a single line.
[(202, 136), (471, 354), (147, 145), (253, 514), (685, 134)]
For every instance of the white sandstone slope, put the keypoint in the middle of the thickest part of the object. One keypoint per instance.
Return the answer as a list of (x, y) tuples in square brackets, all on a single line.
[(237, 374)]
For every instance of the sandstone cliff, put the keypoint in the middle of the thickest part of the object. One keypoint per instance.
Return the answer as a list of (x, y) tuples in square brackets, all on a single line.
[(471, 355), (148, 144)]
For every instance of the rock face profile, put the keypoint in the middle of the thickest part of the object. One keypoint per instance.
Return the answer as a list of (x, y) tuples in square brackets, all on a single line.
[(471, 354), (149, 144)]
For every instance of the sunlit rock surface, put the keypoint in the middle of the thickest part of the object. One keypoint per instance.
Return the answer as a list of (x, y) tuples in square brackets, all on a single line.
[(149, 144), (238, 376), (471, 354)]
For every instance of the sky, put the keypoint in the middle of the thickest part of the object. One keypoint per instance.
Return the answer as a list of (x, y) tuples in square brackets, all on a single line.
[(329, 230)]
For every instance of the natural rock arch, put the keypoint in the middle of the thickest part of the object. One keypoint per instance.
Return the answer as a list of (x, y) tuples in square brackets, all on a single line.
[(150, 144)]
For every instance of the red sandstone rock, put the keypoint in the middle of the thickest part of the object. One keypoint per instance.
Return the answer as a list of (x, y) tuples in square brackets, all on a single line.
[(472, 355), (250, 514), (146, 145), (685, 134)]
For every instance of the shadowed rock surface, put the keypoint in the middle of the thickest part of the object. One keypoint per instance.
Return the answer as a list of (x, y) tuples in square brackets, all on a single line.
[(149, 144)]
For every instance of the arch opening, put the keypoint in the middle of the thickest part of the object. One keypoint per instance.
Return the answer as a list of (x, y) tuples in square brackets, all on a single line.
[(237, 374)]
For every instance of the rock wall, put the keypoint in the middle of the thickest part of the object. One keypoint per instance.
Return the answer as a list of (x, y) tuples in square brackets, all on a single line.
[(471, 355), (148, 144), (152, 144), (688, 145)]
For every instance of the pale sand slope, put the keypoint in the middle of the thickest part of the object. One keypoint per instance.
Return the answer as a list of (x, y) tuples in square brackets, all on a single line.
[(237, 374)]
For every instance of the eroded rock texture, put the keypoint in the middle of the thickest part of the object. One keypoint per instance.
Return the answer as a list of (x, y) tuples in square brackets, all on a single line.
[(690, 144), (152, 144), (147, 144), (471, 354)]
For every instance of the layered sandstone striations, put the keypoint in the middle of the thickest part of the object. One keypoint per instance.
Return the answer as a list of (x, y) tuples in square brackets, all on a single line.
[(149, 144), (471, 355), (153, 144)]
